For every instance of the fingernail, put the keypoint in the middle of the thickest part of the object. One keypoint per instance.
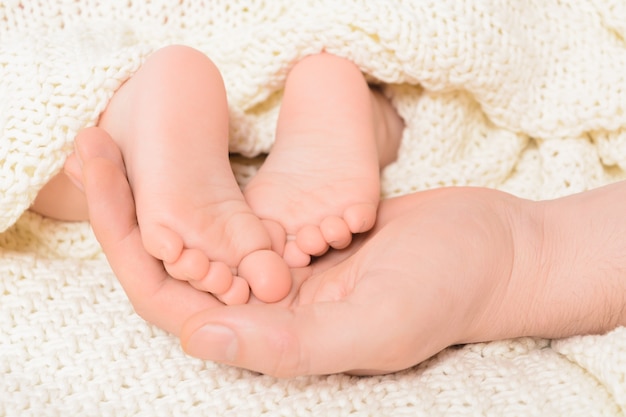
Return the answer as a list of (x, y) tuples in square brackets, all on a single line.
[(213, 342), (74, 180), (77, 154), (73, 170)]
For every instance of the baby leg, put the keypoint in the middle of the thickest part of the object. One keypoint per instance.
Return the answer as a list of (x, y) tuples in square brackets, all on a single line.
[(61, 199), (321, 179), (170, 121)]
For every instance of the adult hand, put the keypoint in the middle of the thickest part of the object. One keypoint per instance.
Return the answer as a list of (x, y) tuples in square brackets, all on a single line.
[(97, 167), (441, 267), (434, 272), (422, 280)]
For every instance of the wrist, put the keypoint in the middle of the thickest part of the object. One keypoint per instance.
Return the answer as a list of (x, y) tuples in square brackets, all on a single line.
[(572, 269)]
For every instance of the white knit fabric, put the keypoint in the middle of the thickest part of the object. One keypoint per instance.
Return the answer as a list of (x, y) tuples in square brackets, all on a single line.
[(528, 96)]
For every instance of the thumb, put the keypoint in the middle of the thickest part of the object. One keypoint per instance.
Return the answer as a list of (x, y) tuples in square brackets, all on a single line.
[(274, 340), (156, 296), (317, 338)]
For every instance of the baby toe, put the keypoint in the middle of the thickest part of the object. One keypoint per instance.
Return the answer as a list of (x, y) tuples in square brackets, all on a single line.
[(311, 240), (191, 265), (238, 293), (360, 217), (160, 241), (293, 255), (336, 232), (218, 280), (277, 235), (267, 274)]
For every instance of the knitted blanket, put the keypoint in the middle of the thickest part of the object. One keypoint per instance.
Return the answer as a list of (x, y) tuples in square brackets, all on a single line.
[(528, 96)]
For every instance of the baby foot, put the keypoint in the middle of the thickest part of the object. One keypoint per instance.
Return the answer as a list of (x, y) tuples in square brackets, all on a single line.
[(320, 196), (321, 180), (172, 129)]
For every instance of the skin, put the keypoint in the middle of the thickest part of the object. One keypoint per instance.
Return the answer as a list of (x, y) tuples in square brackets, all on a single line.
[(321, 180), (455, 265), (173, 138), (319, 185)]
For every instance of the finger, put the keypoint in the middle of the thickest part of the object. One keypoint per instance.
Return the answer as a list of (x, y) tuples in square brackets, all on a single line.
[(95, 142), (271, 339), (156, 296), (89, 143), (317, 338), (73, 170)]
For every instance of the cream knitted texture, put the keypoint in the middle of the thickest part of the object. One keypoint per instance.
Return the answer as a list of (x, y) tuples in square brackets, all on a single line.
[(528, 96)]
